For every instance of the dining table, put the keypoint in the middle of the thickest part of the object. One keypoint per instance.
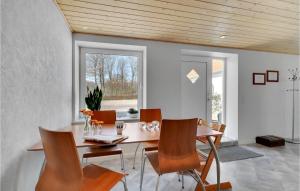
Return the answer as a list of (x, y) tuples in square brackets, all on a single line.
[(135, 133)]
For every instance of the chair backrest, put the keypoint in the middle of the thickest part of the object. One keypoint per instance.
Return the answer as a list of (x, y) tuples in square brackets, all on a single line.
[(214, 126), (149, 115), (202, 122), (218, 127), (222, 128), (62, 169), (107, 116), (177, 145)]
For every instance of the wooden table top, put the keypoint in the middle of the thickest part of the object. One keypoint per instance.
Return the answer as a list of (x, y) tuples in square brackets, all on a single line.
[(135, 134)]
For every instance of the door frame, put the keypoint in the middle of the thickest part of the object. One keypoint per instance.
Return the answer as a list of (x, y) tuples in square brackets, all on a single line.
[(209, 89)]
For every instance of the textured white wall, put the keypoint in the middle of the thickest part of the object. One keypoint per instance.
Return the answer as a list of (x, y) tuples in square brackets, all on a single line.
[(232, 98), (262, 109), (36, 84), (0, 93), (266, 109)]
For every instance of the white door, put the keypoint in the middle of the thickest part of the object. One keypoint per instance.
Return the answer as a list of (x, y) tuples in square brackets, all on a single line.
[(194, 87)]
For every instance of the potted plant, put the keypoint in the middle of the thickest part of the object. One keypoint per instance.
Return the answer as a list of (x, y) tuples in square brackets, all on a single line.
[(93, 99), (133, 113)]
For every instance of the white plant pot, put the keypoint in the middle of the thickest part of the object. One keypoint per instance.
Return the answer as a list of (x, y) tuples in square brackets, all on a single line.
[(135, 115)]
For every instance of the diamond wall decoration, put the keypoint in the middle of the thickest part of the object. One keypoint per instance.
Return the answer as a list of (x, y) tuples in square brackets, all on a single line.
[(193, 76)]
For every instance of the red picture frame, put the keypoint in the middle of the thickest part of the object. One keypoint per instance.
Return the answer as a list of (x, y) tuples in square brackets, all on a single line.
[(271, 74), (259, 79)]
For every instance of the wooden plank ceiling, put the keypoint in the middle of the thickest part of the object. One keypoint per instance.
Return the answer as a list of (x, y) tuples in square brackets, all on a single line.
[(264, 25)]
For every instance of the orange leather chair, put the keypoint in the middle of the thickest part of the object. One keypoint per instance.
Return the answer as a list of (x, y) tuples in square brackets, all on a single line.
[(63, 171), (176, 149), (107, 117), (214, 126), (148, 115)]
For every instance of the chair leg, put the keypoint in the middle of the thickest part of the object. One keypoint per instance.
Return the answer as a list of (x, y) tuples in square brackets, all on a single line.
[(122, 162), (123, 165), (178, 177), (84, 162), (157, 184), (142, 173), (182, 183), (137, 147), (200, 180)]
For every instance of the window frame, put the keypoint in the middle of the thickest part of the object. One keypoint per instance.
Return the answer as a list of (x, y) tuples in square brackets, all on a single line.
[(79, 87)]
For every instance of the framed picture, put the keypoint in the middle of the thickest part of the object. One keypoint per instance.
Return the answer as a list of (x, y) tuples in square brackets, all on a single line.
[(272, 76), (259, 78)]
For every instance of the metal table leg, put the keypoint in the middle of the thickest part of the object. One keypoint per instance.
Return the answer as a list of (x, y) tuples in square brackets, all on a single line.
[(212, 145)]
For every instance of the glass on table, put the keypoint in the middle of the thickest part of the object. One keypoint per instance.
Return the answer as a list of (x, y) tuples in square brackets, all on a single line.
[(93, 130), (87, 115), (150, 126), (155, 125), (98, 127), (87, 125), (142, 124)]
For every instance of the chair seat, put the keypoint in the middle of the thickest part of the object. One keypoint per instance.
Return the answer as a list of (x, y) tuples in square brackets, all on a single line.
[(173, 165), (102, 151), (97, 178), (150, 146)]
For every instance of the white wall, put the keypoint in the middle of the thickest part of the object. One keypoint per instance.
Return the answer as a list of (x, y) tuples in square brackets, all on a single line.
[(232, 97), (36, 85), (265, 109), (0, 93), (262, 109), (166, 75)]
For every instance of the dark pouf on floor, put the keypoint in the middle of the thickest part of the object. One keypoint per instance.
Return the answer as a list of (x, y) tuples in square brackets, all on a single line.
[(270, 141)]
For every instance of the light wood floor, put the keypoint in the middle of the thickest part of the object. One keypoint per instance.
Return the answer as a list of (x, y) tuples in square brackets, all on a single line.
[(277, 170)]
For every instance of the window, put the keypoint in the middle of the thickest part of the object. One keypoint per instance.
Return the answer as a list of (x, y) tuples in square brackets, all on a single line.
[(119, 73)]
